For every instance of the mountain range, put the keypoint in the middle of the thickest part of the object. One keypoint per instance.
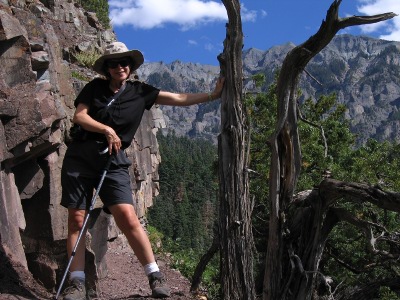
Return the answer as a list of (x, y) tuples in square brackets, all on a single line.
[(363, 72)]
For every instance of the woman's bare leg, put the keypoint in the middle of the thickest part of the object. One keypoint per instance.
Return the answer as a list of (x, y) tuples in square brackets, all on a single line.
[(76, 218), (128, 222)]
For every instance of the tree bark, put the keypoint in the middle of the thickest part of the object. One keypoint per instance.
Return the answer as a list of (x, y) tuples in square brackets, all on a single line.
[(236, 238), (282, 261)]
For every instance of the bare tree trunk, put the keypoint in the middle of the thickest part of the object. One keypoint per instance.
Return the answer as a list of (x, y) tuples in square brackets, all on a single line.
[(282, 262), (236, 238)]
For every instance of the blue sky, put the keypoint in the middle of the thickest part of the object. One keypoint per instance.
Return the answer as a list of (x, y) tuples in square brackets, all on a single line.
[(194, 30)]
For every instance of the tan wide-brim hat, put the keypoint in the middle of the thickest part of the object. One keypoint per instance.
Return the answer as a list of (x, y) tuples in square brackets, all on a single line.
[(117, 50)]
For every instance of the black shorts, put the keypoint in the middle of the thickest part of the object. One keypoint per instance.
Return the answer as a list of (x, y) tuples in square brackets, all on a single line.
[(82, 169)]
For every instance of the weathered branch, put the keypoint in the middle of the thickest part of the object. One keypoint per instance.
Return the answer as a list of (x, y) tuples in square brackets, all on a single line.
[(366, 227), (312, 77), (363, 192), (345, 215), (321, 129), (365, 268), (363, 20), (343, 263), (313, 221), (201, 266), (368, 290), (328, 30)]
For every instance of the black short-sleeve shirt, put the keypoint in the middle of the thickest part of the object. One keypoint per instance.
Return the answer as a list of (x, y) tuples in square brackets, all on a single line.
[(125, 113)]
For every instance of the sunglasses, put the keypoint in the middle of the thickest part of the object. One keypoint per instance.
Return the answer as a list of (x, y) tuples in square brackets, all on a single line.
[(114, 63)]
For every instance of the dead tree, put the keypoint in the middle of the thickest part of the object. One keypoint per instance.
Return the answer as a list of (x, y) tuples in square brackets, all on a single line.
[(283, 260), (309, 227), (236, 238)]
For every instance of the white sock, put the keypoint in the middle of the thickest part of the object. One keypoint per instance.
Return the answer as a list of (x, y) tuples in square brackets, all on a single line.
[(151, 268), (77, 274)]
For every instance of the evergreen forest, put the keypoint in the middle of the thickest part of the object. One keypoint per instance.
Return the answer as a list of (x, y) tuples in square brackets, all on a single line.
[(186, 207), (183, 214)]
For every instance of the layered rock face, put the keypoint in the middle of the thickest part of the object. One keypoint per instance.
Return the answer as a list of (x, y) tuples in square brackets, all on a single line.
[(37, 90)]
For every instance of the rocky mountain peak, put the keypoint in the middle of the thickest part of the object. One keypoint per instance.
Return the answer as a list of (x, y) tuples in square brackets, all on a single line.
[(361, 71)]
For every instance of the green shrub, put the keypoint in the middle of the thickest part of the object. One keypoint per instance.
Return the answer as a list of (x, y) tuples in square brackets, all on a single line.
[(87, 58), (387, 294), (80, 76), (186, 262), (155, 238), (100, 7)]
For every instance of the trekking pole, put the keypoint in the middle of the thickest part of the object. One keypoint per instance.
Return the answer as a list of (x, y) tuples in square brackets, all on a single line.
[(92, 203)]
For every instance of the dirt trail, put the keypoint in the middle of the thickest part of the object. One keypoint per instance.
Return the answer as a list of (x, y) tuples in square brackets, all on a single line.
[(125, 279)]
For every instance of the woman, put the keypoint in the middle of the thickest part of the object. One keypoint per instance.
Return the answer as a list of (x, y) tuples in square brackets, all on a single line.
[(111, 117)]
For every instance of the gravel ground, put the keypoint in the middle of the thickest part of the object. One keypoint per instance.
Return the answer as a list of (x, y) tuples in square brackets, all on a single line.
[(125, 279)]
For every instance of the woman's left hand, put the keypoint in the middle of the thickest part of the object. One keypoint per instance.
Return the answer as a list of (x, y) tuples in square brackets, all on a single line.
[(186, 99), (218, 88)]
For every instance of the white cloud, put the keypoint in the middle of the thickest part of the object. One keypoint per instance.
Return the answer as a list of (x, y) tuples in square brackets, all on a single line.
[(192, 42), (264, 13), (209, 47), (388, 30), (247, 15), (147, 14)]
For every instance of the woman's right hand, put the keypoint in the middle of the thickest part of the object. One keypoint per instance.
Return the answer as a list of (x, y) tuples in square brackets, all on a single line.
[(82, 118), (114, 142)]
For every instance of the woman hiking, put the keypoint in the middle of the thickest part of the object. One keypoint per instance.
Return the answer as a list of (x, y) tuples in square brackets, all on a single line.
[(110, 110)]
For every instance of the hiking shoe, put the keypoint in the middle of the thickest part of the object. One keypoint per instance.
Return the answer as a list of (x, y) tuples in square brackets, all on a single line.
[(76, 291), (157, 285)]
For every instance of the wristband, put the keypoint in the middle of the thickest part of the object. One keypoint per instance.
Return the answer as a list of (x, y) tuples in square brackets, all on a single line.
[(210, 98)]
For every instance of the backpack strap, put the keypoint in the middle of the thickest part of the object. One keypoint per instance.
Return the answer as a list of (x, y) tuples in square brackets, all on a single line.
[(115, 97)]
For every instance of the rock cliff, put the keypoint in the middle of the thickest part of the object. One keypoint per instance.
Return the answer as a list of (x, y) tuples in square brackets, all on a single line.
[(38, 41)]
